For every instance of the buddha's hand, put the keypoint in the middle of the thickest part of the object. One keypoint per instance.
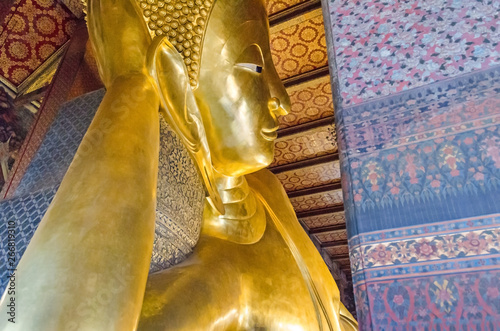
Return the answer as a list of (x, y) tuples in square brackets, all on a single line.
[(119, 37)]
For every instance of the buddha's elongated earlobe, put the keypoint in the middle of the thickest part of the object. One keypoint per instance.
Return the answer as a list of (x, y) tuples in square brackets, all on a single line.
[(179, 108)]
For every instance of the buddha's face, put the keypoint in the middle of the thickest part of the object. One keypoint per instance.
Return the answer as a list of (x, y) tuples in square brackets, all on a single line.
[(240, 94)]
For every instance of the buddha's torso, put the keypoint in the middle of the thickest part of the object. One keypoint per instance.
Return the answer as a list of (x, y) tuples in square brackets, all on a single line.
[(229, 286)]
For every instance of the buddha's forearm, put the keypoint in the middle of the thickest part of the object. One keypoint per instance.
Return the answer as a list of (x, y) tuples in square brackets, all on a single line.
[(119, 36), (87, 265)]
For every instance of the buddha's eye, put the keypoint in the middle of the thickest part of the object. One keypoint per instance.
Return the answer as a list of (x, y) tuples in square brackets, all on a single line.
[(251, 59), (250, 66)]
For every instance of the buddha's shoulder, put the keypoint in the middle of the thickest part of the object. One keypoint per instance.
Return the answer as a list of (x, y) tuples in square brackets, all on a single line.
[(271, 192), (265, 180)]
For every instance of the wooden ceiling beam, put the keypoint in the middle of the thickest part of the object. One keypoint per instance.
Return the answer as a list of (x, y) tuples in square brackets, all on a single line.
[(306, 76), (293, 11), (305, 163), (322, 211), (338, 256), (334, 243), (302, 128), (327, 228), (317, 189)]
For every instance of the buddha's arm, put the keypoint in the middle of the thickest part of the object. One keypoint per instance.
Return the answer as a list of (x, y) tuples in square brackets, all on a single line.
[(87, 264)]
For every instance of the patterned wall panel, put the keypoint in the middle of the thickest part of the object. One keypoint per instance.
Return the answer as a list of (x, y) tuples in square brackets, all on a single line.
[(422, 147), (36, 29), (458, 282), (23, 214), (419, 123), (317, 201), (319, 221), (55, 154), (311, 100), (330, 236), (299, 45), (305, 145), (274, 6), (384, 48), (316, 175)]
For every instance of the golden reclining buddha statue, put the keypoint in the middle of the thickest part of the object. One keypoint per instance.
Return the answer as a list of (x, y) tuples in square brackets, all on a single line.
[(209, 71)]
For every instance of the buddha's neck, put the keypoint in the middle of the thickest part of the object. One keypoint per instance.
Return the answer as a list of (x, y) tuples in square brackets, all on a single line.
[(244, 220)]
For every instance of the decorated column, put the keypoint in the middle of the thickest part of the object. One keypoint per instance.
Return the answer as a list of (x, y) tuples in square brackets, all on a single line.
[(418, 110)]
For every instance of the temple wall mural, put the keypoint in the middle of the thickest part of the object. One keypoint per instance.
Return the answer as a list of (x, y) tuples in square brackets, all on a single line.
[(417, 109)]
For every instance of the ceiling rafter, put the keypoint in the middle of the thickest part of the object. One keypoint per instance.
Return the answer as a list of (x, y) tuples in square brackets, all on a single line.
[(315, 189), (328, 228), (306, 76), (293, 11), (325, 121), (305, 163), (335, 243), (322, 211)]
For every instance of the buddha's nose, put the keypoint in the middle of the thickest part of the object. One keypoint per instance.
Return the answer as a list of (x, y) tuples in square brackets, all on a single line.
[(276, 107), (280, 101), (279, 104)]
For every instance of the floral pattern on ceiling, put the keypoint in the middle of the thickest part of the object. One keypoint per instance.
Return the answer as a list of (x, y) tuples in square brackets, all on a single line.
[(299, 46), (338, 235), (313, 222), (384, 47), (310, 101), (317, 201), (305, 145), (307, 177), (34, 30)]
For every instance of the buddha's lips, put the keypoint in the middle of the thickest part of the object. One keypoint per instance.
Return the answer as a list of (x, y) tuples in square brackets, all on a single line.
[(270, 134)]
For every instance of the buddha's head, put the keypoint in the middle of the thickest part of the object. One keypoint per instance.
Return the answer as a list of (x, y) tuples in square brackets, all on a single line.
[(231, 79)]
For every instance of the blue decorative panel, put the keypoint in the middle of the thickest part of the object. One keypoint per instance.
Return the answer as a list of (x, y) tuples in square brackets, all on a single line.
[(60, 144)]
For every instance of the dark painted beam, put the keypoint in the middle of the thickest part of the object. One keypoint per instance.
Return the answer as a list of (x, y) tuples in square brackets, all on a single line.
[(291, 12), (334, 243), (305, 163), (302, 128), (306, 76), (328, 228), (322, 211), (339, 256), (316, 189)]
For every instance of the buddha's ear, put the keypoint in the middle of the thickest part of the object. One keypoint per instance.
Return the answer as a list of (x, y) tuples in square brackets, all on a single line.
[(180, 110)]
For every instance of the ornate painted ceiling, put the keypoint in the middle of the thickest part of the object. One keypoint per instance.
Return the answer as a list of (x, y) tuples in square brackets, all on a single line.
[(306, 159), (34, 34)]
